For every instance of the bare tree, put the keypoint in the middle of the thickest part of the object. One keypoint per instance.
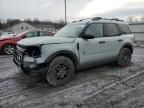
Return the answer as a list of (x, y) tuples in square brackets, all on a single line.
[(142, 18), (36, 20), (28, 20), (11, 22), (131, 19)]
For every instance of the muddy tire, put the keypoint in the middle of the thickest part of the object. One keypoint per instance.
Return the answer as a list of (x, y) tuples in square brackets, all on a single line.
[(8, 49), (60, 71), (124, 57)]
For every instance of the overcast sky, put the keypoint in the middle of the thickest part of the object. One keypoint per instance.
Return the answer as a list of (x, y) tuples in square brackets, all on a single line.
[(54, 9)]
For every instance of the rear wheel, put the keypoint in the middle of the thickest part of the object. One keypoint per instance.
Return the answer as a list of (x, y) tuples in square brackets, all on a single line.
[(8, 49), (60, 71), (124, 57)]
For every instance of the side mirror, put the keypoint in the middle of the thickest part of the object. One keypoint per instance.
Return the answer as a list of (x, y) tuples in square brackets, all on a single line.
[(88, 36)]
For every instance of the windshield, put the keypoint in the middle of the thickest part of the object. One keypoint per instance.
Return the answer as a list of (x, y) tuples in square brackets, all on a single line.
[(70, 31)]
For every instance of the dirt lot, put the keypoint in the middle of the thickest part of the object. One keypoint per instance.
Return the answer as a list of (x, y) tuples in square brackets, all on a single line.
[(103, 86)]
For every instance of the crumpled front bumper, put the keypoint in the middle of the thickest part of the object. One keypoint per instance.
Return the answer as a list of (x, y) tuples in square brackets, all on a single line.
[(31, 69)]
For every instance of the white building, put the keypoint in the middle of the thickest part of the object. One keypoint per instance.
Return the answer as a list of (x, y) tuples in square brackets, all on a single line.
[(138, 30), (21, 27)]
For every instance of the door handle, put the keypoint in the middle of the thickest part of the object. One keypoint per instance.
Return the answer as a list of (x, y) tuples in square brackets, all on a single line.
[(120, 40), (101, 42)]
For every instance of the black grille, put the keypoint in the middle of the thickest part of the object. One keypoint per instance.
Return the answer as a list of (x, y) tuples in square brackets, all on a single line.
[(21, 48), (18, 55)]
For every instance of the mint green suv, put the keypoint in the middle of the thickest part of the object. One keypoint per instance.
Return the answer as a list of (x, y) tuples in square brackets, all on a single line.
[(78, 45)]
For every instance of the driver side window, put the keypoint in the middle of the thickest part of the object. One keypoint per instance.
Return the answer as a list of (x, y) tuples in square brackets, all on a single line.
[(95, 30)]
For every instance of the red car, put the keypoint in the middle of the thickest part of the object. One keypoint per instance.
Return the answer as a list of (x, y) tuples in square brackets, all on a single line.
[(7, 43)]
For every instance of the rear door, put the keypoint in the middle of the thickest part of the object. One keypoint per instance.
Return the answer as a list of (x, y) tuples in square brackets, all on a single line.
[(113, 39)]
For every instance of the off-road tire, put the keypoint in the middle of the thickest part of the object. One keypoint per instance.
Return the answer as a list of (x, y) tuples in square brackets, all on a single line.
[(124, 57), (60, 71)]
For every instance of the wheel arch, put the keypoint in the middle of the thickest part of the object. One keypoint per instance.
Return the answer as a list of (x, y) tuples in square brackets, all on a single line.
[(128, 45), (65, 53)]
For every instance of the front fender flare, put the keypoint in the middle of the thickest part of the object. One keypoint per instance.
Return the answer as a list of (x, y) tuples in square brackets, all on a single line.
[(65, 53)]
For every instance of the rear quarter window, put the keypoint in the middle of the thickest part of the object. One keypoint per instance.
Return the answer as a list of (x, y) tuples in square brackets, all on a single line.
[(42, 33), (111, 30), (124, 28)]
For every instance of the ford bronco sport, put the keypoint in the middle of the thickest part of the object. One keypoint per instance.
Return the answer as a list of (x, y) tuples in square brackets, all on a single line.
[(78, 45)]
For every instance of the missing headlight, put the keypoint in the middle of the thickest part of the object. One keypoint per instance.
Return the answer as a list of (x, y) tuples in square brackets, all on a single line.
[(33, 51)]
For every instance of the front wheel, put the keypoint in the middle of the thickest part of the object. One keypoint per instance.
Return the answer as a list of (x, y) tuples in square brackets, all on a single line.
[(60, 71), (124, 57)]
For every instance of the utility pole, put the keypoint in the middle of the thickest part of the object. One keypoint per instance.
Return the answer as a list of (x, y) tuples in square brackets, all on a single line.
[(65, 12)]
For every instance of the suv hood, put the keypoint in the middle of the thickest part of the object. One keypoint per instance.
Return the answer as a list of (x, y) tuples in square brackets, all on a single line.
[(44, 40)]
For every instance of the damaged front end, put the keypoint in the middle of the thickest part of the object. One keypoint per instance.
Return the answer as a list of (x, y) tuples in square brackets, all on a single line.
[(25, 57)]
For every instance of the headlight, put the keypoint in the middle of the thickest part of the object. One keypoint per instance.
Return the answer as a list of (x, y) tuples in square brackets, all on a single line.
[(33, 51)]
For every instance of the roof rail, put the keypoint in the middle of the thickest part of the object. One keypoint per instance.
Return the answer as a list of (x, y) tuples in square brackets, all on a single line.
[(82, 20), (74, 21), (98, 18), (85, 19), (116, 19)]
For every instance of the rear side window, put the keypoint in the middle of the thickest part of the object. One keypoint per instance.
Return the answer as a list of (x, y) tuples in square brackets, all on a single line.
[(111, 30), (31, 34), (124, 28), (95, 30), (42, 33)]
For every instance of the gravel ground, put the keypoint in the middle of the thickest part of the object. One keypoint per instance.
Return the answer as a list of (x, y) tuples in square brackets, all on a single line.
[(103, 86)]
